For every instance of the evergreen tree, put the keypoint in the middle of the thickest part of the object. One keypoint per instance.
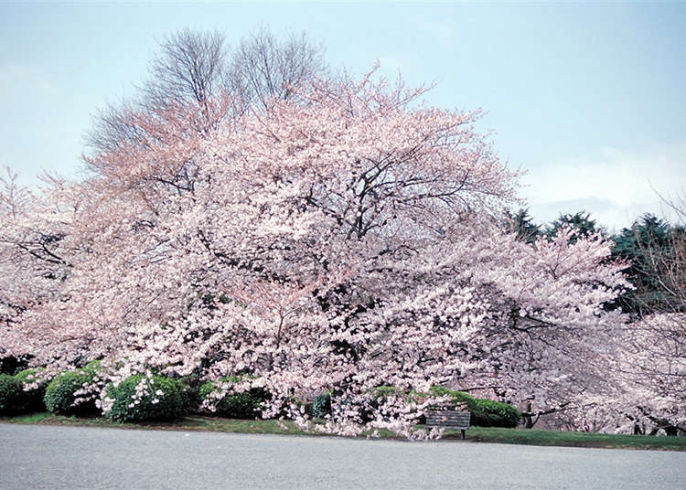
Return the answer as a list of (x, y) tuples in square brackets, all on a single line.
[(655, 251), (580, 222), (522, 223)]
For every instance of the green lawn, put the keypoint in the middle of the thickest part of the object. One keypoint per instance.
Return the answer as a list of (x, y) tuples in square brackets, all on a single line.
[(563, 438), (474, 434)]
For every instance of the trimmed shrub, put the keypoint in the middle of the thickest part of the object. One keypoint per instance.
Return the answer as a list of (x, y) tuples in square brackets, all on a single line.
[(61, 394), (321, 405), (13, 399), (140, 399), (35, 395), (190, 393), (489, 413), (245, 405), (485, 413), (457, 396)]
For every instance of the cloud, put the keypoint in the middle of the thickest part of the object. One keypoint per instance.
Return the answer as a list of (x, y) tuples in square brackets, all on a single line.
[(615, 186)]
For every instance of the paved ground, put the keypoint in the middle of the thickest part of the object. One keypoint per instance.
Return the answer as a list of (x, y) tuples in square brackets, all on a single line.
[(34, 457)]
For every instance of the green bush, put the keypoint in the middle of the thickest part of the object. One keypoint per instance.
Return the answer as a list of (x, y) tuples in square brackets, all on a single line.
[(457, 396), (321, 405), (190, 393), (381, 392), (13, 399), (161, 399), (246, 405), (34, 396), (496, 414), (60, 397), (485, 413)]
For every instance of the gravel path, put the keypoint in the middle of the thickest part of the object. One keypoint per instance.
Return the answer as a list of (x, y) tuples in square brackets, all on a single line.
[(34, 457)]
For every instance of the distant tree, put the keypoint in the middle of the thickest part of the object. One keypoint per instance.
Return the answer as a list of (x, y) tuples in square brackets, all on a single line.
[(654, 251), (581, 224), (522, 223), (264, 68), (196, 74), (651, 367), (189, 69)]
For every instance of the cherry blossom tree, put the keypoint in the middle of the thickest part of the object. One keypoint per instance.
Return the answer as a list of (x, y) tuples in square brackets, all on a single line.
[(343, 239)]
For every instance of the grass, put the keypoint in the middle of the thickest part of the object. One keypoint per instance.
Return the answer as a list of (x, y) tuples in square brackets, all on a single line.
[(474, 434), (190, 423), (563, 438)]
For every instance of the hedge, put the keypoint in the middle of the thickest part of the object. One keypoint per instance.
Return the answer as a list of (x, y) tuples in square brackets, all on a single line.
[(13, 399), (35, 395), (60, 397), (485, 413), (245, 405), (161, 399), (191, 393), (321, 405)]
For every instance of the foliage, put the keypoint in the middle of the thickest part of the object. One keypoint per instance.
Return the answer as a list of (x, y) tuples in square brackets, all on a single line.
[(522, 224), (71, 392), (655, 252), (141, 398), (219, 398), (652, 360), (190, 394), (34, 382), (489, 413), (581, 224), (485, 413), (13, 399), (383, 391), (321, 405)]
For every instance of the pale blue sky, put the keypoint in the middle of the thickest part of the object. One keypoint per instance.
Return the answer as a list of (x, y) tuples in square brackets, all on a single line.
[(589, 98)]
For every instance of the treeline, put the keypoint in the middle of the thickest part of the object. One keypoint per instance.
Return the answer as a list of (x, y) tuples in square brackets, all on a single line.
[(652, 247)]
